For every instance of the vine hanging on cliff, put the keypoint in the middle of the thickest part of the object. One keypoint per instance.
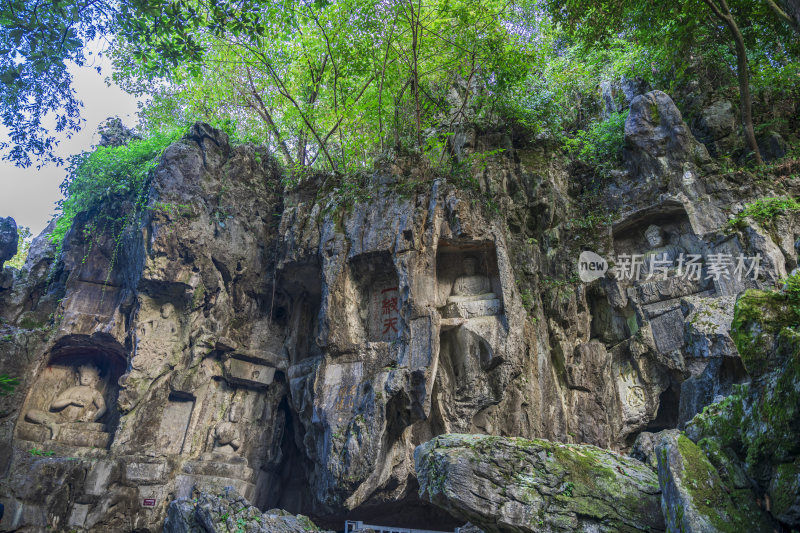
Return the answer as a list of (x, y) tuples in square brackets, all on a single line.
[(110, 184)]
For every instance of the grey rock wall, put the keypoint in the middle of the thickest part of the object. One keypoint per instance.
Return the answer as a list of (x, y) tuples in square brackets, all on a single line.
[(298, 348)]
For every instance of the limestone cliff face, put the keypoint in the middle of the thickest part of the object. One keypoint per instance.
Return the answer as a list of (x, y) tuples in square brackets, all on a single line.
[(298, 347)]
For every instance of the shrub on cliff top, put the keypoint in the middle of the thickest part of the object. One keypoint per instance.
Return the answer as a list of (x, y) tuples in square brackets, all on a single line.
[(600, 145), (111, 182), (765, 210)]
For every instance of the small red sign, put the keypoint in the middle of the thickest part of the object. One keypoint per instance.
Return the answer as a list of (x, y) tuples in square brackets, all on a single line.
[(149, 502)]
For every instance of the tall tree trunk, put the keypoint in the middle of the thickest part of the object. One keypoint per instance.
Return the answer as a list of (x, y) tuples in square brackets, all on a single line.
[(789, 11), (742, 73), (263, 111), (792, 8), (416, 36)]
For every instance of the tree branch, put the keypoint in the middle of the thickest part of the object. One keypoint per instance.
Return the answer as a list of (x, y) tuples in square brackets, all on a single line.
[(782, 15), (264, 113)]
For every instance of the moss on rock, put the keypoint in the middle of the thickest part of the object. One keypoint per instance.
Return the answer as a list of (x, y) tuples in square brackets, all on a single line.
[(750, 438), (783, 490), (697, 498), (758, 317), (534, 484)]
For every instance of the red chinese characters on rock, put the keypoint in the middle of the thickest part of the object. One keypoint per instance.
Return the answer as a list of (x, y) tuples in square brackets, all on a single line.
[(389, 315)]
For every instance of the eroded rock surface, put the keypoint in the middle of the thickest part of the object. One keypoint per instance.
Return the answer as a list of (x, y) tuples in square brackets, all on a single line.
[(519, 485), (750, 437), (696, 498), (298, 341), (8, 239), (229, 511)]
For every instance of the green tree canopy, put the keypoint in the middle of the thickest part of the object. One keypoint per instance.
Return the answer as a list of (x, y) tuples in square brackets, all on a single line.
[(38, 39), (333, 83), (330, 83), (687, 32)]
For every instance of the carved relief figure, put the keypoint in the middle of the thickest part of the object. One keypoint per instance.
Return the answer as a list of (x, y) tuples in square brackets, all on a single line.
[(659, 256), (470, 284), (80, 403), (227, 438), (635, 394)]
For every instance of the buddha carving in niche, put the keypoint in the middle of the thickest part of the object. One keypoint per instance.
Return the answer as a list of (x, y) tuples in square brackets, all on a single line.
[(659, 254), (470, 285), (80, 403)]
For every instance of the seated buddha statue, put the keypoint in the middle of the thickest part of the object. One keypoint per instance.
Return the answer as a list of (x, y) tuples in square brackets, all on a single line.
[(470, 285), (227, 438), (81, 403), (660, 255)]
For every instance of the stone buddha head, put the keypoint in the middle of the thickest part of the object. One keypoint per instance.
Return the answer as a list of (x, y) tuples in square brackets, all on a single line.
[(88, 375), (654, 236)]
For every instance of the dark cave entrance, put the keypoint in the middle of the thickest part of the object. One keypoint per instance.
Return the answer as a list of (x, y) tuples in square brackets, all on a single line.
[(668, 411), (411, 513), (288, 484), (395, 506)]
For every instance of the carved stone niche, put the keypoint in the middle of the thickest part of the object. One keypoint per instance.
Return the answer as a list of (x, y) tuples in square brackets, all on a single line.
[(472, 328), (379, 296), (247, 371), (73, 400), (468, 283), (663, 263), (223, 462), (175, 419), (658, 236)]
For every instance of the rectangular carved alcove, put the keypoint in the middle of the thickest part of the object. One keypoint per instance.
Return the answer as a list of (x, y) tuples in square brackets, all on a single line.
[(467, 273), (671, 218), (376, 280), (174, 423), (294, 308), (73, 400)]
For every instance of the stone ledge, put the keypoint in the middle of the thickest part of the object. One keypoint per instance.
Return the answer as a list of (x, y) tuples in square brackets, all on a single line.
[(472, 308), (84, 436), (238, 371)]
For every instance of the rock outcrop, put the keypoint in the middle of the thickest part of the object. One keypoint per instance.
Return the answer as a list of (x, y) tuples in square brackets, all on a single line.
[(519, 485), (114, 133), (297, 341), (229, 511), (750, 437), (8, 239), (657, 141), (696, 498)]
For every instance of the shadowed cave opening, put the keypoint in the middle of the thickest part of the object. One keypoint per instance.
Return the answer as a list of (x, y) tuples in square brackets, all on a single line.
[(411, 512), (289, 487), (668, 411), (384, 508)]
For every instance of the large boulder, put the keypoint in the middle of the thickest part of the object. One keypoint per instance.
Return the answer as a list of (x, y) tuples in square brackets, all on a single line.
[(518, 485), (752, 434), (772, 146), (716, 127), (209, 513), (8, 239), (657, 141), (696, 498)]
